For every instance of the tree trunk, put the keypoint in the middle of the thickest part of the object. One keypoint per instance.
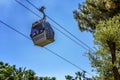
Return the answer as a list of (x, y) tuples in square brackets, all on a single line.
[(112, 47)]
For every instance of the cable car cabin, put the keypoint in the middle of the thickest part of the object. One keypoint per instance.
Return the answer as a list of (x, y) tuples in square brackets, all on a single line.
[(42, 33)]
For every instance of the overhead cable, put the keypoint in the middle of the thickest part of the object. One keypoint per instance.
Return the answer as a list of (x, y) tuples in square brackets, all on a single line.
[(62, 27), (53, 26), (14, 29), (22, 34)]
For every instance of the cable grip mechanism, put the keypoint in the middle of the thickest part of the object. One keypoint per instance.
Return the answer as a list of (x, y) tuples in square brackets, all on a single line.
[(42, 11)]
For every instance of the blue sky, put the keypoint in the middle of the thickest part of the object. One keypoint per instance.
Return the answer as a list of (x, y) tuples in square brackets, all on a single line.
[(16, 49)]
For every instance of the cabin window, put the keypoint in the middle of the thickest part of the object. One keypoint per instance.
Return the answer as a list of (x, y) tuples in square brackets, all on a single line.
[(34, 32)]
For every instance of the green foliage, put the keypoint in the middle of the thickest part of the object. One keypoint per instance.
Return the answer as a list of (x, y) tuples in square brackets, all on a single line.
[(108, 30), (79, 76), (102, 18), (8, 72), (92, 11), (68, 77)]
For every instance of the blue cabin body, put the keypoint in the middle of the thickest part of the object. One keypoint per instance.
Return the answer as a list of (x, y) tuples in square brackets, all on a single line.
[(42, 33)]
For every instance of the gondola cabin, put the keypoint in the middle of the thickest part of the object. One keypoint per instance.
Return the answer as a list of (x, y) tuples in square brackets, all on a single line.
[(42, 33)]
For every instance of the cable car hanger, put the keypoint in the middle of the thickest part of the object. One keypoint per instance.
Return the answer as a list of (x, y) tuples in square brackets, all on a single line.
[(42, 11), (42, 33)]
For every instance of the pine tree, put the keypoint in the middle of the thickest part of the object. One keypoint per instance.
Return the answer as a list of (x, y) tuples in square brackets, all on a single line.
[(102, 19), (92, 11), (107, 36)]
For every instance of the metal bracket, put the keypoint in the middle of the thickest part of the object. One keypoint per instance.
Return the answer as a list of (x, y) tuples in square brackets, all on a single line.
[(42, 11)]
